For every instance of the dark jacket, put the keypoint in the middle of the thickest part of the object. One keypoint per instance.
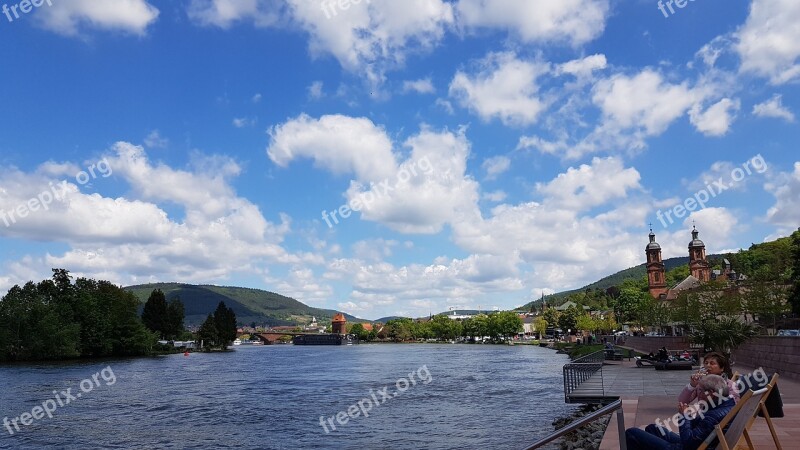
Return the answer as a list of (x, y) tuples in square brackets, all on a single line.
[(695, 431)]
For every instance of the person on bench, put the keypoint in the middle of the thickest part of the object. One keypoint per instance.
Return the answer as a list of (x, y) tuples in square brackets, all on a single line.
[(713, 364), (694, 427)]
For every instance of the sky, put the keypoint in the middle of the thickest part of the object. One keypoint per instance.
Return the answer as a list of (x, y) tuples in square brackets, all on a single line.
[(384, 157)]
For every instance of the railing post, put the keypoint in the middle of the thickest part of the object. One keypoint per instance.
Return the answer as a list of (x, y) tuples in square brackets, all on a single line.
[(621, 427)]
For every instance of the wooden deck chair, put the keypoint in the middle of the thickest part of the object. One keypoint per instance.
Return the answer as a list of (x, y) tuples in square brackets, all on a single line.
[(737, 421), (763, 408)]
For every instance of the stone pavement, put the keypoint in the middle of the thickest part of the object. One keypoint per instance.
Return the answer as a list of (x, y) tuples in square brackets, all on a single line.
[(648, 394)]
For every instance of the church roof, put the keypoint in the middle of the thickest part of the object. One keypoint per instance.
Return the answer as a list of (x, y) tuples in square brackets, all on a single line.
[(689, 282)]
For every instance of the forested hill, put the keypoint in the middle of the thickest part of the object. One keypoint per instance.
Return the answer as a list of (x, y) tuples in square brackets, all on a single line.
[(250, 305), (627, 274), (767, 261)]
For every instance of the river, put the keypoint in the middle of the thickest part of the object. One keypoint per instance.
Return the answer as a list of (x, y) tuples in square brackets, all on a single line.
[(425, 396)]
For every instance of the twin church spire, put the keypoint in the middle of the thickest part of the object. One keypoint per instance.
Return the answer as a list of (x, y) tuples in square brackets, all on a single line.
[(656, 273)]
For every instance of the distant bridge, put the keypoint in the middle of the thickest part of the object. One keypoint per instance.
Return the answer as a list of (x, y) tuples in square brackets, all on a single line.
[(270, 337)]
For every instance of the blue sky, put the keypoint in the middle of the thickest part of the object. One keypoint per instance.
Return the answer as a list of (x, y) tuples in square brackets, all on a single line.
[(482, 152)]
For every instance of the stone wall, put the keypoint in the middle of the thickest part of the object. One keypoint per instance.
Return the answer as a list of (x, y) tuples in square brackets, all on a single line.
[(774, 353)]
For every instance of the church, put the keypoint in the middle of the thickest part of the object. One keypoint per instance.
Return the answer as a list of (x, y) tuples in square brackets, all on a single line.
[(699, 269)]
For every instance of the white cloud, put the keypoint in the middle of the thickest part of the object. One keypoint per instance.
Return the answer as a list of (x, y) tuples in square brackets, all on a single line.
[(154, 140), (428, 190), (495, 196), (372, 37), (583, 67), (421, 86), (132, 239), (645, 101), (495, 166), (72, 17), (587, 186), (572, 21), (504, 87), (785, 213), (256, 98), (315, 90), (242, 122), (338, 143), (769, 42), (225, 13), (717, 119), (773, 108)]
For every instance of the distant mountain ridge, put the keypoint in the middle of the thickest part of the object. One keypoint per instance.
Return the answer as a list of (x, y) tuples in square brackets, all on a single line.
[(250, 305), (617, 278)]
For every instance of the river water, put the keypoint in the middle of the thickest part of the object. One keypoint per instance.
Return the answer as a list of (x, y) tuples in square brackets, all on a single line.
[(273, 397)]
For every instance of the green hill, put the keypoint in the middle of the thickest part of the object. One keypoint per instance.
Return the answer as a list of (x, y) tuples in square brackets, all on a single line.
[(250, 305), (767, 260)]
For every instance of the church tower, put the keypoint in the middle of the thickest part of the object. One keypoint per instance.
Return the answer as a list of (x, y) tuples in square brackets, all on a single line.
[(698, 266), (656, 279)]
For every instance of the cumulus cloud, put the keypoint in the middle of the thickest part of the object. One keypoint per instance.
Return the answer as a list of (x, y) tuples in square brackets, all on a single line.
[(495, 166), (503, 87), (372, 37), (571, 21), (785, 186), (769, 41), (421, 86), (338, 143), (74, 17), (132, 239), (717, 119), (225, 13), (773, 108)]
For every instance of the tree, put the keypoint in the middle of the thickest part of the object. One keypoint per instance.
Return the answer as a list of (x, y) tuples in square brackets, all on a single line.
[(541, 325), (586, 323), (794, 278), (569, 318), (175, 316), (225, 323), (765, 301), (207, 334), (722, 335), (154, 314)]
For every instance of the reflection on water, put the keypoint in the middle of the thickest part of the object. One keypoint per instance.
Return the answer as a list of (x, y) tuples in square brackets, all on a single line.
[(272, 397)]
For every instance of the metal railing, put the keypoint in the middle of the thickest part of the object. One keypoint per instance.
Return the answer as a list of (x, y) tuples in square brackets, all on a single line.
[(608, 409), (580, 370)]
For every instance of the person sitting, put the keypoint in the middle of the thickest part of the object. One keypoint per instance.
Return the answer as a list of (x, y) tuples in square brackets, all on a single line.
[(663, 354), (694, 428), (713, 364)]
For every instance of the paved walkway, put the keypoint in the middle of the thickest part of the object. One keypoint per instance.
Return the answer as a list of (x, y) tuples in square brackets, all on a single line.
[(648, 394)]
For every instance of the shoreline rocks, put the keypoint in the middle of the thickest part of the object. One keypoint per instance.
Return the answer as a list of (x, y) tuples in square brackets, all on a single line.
[(587, 437)]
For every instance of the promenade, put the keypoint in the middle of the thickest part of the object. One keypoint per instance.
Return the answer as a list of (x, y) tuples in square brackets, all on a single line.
[(648, 394)]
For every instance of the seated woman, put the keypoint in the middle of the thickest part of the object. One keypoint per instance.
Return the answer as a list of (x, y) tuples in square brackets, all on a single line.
[(714, 364), (693, 427)]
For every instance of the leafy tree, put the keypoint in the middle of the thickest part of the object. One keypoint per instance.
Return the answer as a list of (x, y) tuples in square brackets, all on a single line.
[(569, 318), (540, 324), (722, 335), (765, 301), (154, 314), (358, 330), (794, 278), (586, 323), (174, 319), (207, 334), (225, 324)]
